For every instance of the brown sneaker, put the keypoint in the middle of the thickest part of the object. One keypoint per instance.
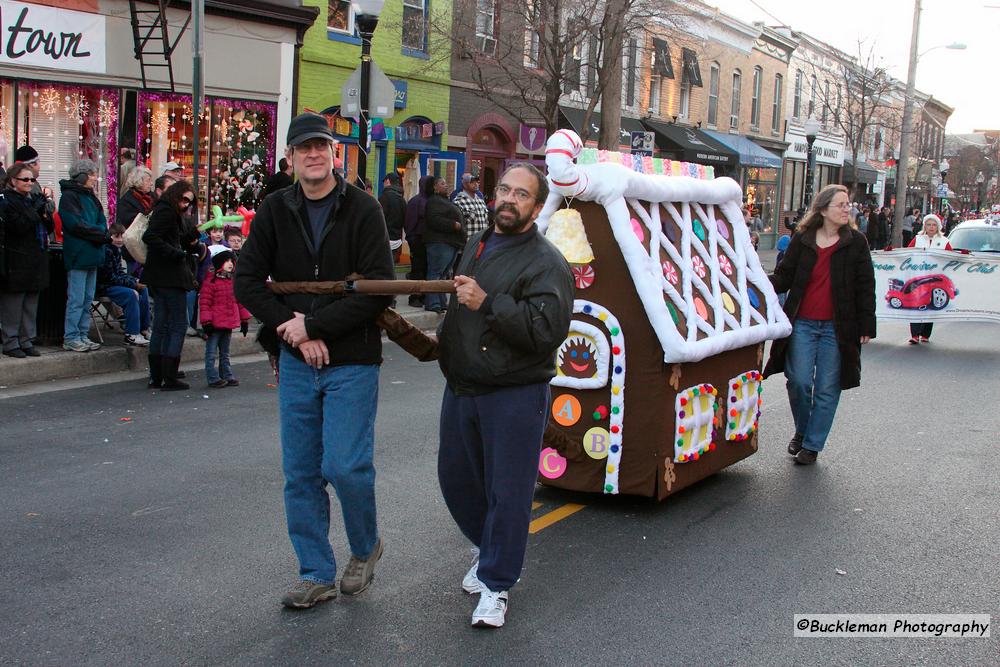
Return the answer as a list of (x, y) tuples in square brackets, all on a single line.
[(307, 594), (359, 573)]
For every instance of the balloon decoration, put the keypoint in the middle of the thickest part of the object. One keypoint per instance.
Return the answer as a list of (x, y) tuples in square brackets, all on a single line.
[(219, 221), (247, 219)]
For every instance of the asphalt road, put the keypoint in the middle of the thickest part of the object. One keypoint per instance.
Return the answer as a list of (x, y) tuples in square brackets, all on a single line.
[(161, 540)]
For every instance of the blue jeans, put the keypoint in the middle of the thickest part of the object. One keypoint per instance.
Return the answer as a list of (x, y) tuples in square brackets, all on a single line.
[(169, 321), (440, 257), (812, 371), (327, 437), (80, 287), (135, 304), (192, 309), (218, 342)]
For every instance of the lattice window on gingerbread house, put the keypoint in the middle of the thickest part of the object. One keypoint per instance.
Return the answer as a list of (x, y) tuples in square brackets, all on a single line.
[(695, 422), (743, 405)]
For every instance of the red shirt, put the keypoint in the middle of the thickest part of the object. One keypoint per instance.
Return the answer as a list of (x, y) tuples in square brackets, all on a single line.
[(817, 302)]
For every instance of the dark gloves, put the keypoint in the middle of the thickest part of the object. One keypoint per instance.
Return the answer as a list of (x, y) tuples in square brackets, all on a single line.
[(244, 328), (207, 328)]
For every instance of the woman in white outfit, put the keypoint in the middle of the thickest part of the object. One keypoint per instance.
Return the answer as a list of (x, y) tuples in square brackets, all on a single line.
[(929, 238)]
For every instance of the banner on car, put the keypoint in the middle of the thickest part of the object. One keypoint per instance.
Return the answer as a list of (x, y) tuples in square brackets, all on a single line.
[(937, 286)]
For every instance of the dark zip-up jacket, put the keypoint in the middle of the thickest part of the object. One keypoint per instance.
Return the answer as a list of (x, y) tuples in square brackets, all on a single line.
[(512, 339), (852, 287), (25, 222), (172, 242), (353, 241)]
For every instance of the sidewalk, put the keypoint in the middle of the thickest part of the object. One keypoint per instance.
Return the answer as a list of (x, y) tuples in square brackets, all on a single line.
[(115, 357)]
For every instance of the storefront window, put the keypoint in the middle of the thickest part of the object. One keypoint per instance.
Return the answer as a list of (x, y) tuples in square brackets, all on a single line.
[(7, 143), (236, 144), (64, 124)]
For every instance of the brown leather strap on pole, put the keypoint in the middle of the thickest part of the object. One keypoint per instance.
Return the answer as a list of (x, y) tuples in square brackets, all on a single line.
[(362, 286)]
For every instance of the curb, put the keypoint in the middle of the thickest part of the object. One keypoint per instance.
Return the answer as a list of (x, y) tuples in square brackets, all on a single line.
[(114, 357)]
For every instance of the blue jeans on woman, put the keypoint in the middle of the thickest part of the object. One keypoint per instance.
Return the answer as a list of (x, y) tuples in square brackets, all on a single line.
[(135, 304), (440, 257), (80, 287), (812, 372), (169, 321), (217, 347), (327, 437)]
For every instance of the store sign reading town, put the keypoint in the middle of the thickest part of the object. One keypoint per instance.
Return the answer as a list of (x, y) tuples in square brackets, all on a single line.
[(53, 38)]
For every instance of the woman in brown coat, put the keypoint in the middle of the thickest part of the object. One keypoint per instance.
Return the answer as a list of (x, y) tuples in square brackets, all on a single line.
[(827, 272)]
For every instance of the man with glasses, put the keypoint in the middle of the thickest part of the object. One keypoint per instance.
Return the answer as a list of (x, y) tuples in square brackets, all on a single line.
[(319, 229), (497, 351)]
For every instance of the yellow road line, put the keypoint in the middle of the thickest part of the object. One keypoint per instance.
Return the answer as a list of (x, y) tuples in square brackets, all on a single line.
[(535, 505), (558, 514)]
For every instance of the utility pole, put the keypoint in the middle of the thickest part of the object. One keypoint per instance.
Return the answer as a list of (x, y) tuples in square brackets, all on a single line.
[(904, 142), (197, 87)]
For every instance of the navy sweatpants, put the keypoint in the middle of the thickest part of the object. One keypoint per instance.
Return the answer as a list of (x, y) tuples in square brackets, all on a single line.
[(487, 467)]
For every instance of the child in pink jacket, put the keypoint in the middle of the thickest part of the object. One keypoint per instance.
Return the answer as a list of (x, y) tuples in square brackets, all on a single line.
[(220, 314)]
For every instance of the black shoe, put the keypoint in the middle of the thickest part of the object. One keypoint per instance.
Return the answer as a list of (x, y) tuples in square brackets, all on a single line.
[(218, 384), (17, 353), (806, 457), (31, 351), (795, 444), (169, 369), (416, 301), (155, 371), (232, 382), (180, 374)]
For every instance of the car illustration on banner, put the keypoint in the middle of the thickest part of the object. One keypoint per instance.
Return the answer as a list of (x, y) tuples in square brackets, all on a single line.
[(933, 291)]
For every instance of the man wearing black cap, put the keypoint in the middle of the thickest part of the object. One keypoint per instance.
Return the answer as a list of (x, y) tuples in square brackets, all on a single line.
[(322, 229), (394, 210), (29, 156)]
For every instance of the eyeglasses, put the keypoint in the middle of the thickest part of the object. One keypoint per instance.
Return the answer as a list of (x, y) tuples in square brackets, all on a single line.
[(27, 180), (188, 200), (522, 196), (844, 205)]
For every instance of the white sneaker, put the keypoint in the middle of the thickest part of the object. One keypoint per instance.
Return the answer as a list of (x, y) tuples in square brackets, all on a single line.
[(93, 345), (192, 332), (76, 346), (471, 583), (136, 339), (491, 612)]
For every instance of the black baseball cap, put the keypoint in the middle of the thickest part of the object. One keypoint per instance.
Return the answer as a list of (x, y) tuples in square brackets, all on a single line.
[(307, 126)]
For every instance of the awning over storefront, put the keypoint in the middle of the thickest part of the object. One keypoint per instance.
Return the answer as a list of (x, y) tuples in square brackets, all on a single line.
[(865, 173), (573, 118), (690, 144), (751, 155)]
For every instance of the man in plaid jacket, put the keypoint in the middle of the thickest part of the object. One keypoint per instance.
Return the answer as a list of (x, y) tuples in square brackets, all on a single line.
[(475, 215)]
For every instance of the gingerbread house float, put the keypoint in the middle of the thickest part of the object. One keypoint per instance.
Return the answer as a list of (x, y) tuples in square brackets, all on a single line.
[(658, 383)]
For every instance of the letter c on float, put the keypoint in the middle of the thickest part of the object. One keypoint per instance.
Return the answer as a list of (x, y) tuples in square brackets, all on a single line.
[(550, 464)]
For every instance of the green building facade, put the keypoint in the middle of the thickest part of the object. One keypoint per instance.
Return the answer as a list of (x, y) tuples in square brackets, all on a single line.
[(413, 142)]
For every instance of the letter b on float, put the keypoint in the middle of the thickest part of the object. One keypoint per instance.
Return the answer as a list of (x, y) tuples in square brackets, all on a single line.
[(596, 442)]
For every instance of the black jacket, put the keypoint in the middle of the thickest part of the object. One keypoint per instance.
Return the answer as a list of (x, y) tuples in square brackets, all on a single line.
[(280, 246), (852, 281), (128, 207), (170, 241), (512, 339), (24, 224), (440, 217), (112, 273), (394, 210), (275, 182)]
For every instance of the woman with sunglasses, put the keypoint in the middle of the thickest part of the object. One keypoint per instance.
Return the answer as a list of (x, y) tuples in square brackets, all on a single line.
[(85, 231), (171, 239), (25, 224), (827, 272)]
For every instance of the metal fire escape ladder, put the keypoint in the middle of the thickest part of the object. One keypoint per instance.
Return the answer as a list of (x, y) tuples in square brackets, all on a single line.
[(151, 39)]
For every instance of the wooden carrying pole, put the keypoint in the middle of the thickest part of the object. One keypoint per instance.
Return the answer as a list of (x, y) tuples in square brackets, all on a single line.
[(362, 286)]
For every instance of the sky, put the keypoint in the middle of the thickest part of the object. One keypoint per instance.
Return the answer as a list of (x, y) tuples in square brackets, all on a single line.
[(964, 80)]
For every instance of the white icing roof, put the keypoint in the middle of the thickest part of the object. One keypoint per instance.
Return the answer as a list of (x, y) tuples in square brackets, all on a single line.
[(691, 204)]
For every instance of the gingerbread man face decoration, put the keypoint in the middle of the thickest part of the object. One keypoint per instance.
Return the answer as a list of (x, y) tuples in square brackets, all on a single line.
[(578, 358)]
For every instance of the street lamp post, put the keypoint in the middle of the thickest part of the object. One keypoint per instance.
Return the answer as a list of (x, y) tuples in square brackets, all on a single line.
[(366, 20), (980, 179), (811, 130), (943, 168)]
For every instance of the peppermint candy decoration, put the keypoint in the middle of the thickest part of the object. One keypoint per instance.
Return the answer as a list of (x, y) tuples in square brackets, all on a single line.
[(670, 273), (698, 266), (725, 265), (583, 276)]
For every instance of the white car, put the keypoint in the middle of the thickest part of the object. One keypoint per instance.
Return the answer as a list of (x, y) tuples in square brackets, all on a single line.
[(977, 235)]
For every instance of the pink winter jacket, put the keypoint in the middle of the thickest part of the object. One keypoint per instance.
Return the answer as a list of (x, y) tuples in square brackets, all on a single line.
[(217, 304)]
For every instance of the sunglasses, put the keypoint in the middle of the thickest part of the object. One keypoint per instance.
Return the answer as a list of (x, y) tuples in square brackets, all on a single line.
[(27, 180), (188, 200)]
